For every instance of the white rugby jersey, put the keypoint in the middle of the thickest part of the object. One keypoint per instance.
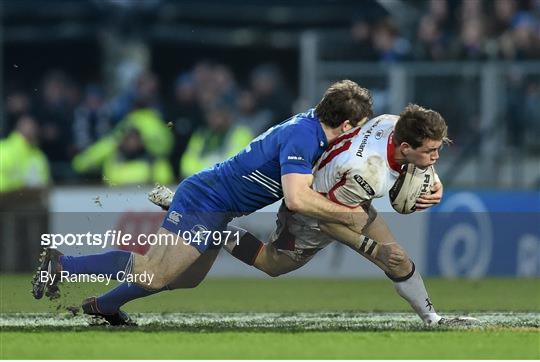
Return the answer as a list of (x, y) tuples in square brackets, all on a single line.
[(359, 165)]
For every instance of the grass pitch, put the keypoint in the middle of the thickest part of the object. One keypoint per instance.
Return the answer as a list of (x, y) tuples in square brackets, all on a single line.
[(278, 318)]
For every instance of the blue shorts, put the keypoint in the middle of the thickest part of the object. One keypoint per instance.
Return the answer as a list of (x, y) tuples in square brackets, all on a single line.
[(197, 215)]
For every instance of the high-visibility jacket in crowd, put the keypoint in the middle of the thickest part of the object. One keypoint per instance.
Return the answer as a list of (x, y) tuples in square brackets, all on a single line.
[(21, 164), (157, 140), (137, 171), (206, 148)]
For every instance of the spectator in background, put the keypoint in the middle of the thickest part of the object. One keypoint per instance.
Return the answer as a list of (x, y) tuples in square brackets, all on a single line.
[(219, 140), (92, 119), (362, 46), (472, 40), (354, 45), (156, 139), (23, 163), (224, 84), (248, 114), (55, 114), (271, 96), (432, 43), (522, 40), (145, 90), (389, 45), (439, 12), (186, 116), (132, 164), (471, 9), (17, 104), (504, 12), (204, 77)]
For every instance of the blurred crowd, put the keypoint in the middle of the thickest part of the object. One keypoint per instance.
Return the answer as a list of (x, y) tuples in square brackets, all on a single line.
[(64, 133), (445, 30)]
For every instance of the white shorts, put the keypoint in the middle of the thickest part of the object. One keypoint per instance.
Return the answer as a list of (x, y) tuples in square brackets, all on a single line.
[(299, 236)]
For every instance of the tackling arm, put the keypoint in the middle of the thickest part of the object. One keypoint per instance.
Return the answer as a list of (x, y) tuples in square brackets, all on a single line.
[(299, 197)]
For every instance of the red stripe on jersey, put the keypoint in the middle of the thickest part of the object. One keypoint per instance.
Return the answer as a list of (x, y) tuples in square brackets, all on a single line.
[(390, 153), (334, 153), (340, 183), (343, 137)]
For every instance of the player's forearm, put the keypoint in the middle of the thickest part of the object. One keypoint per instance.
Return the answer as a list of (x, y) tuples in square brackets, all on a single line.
[(311, 203)]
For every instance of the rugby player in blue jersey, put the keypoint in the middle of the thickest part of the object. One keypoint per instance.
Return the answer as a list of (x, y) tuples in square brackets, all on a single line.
[(277, 164)]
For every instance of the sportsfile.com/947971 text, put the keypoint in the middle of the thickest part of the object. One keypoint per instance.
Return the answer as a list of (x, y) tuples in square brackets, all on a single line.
[(119, 238)]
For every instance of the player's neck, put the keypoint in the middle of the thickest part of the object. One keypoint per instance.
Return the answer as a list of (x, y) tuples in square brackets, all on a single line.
[(399, 157), (331, 133)]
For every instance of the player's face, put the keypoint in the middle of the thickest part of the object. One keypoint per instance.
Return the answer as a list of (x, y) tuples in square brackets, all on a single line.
[(425, 155)]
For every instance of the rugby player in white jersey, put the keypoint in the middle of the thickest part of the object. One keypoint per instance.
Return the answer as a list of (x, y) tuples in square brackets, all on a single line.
[(357, 167)]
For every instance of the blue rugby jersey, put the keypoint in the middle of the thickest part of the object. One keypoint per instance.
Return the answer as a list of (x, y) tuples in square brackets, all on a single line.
[(251, 180)]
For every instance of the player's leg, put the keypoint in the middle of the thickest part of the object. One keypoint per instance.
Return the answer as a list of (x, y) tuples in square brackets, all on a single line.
[(165, 262), (265, 257), (173, 261), (183, 232), (380, 247), (53, 264), (276, 262), (162, 264), (196, 273), (401, 270)]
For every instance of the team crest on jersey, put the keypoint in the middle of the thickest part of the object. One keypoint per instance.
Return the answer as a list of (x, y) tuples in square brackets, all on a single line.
[(379, 134), (199, 229), (363, 183), (174, 217)]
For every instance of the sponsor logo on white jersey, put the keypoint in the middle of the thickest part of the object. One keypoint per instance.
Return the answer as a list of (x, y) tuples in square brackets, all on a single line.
[(365, 138), (363, 183)]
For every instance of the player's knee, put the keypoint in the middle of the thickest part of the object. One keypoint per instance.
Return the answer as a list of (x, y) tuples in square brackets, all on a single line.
[(402, 269), (267, 261), (394, 257), (157, 283), (268, 269)]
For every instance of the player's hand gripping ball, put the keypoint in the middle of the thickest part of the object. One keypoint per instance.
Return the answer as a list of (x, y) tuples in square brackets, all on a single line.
[(411, 184)]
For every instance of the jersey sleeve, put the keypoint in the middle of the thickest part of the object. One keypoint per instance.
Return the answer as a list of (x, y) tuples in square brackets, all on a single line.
[(298, 150)]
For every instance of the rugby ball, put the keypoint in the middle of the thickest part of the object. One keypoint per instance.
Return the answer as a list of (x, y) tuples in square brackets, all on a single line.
[(411, 184)]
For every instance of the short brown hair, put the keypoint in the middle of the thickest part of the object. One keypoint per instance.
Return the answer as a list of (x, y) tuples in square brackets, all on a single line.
[(344, 100), (415, 124)]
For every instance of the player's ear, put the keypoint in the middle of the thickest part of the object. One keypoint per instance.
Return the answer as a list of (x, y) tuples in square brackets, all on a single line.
[(346, 125), (405, 148)]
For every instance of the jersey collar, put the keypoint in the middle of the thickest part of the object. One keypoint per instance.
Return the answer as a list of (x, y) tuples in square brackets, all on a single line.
[(390, 152), (323, 142)]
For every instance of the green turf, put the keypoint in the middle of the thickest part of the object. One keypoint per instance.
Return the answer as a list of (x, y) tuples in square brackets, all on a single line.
[(271, 345), (294, 295), (285, 295)]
